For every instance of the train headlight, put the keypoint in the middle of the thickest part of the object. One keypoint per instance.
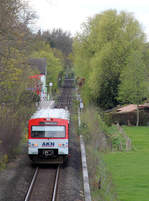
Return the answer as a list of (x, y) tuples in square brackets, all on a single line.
[(32, 145), (63, 145)]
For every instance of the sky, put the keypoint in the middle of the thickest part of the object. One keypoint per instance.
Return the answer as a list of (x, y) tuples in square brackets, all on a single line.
[(70, 14)]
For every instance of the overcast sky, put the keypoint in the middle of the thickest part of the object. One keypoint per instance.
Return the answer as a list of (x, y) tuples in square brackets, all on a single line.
[(70, 14)]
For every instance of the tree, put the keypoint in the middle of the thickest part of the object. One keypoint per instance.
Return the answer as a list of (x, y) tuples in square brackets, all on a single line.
[(60, 40), (15, 40), (133, 82), (101, 53)]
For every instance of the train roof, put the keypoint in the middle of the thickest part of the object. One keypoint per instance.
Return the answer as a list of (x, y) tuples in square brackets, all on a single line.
[(52, 113)]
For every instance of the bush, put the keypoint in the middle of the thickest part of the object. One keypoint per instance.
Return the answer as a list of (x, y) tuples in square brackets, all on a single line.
[(98, 139), (28, 98), (107, 118), (94, 129), (13, 122)]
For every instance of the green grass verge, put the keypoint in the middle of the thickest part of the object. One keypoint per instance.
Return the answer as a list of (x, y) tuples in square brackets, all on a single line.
[(130, 170)]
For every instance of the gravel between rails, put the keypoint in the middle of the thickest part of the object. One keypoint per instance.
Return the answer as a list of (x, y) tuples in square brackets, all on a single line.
[(44, 184)]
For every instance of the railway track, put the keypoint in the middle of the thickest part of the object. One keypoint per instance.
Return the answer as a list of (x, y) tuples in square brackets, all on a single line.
[(44, 184), (45, 180), (65, 98)]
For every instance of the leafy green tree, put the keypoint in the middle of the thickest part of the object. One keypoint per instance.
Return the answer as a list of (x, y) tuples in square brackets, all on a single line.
[(133, 82), (146, 57), (101, 52)]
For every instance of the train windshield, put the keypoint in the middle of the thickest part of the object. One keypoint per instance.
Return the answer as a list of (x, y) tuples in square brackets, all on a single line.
[(48, 131)]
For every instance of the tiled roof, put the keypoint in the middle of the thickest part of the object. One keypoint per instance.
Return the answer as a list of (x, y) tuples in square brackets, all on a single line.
[(132, 108), (128, 108)]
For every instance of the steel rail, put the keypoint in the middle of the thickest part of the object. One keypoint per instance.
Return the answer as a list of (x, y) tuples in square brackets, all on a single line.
[(56, 184), (31, 185)]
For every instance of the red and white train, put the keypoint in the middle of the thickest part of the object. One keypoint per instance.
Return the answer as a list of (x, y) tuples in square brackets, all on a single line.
[(48, 136)]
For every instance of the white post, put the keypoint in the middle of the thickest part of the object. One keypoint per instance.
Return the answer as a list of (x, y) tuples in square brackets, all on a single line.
[(50, 85)]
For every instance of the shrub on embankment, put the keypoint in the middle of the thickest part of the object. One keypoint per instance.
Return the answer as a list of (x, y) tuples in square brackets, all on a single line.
[(15, 107), (12, 127), (99, 138)]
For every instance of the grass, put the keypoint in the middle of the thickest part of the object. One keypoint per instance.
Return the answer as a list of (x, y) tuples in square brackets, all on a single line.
[(130, 170), (139, 136)]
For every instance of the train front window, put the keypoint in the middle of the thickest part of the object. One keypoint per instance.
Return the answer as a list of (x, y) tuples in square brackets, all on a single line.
[(48, 132)]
